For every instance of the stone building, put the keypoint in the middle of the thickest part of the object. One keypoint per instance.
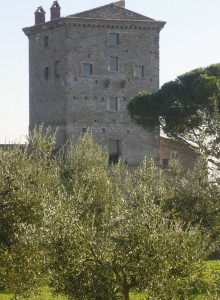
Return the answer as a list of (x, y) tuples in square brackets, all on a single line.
[(84, 68), (171, 149)]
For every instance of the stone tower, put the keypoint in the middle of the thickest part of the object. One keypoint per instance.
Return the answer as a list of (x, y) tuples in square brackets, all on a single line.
[(84, 68)]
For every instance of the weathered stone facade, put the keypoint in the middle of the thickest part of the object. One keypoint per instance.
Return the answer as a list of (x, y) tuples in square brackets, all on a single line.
[(84, 68), (171, 149)]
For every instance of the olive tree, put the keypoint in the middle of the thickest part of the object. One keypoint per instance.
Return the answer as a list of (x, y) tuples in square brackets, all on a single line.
[(111, 234), (94, 231), (28, 180)]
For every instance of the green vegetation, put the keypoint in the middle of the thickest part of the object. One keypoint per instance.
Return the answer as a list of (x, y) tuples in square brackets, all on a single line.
[(211, 265), (46, 294), (42, 294), (93, 231), (187, 109)]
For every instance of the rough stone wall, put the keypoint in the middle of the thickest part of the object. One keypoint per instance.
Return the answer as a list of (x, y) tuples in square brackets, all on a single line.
[(47, 99), (88, 96), (173, 149), (78, 103)]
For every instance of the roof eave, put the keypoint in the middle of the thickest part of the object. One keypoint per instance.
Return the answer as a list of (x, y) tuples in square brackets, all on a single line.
[(60, 22)]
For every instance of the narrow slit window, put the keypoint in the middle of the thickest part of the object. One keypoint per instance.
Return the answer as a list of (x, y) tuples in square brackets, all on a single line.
[(46, 41), (46, 73), (113, 63), (57, 69)]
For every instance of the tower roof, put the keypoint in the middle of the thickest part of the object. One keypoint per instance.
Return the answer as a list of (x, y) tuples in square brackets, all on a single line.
[(112, 11)]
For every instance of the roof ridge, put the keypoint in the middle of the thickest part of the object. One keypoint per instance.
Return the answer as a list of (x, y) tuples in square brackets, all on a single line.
[(84, 14), (98, 7), (121, 3)]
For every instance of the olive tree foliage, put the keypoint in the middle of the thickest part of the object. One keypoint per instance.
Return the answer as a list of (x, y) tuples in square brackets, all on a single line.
[(28, 181), (108, 233), (192, 198), (187, 109), (94, 231)]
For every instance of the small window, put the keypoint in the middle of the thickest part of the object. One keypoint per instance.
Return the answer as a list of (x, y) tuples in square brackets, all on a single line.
[(46, 41), (113, 63), (84, 130), (113, 151), (57, 68), (139, 71), (46, 73), (165, 163), (113, 39), (87, 69), (113, 103)]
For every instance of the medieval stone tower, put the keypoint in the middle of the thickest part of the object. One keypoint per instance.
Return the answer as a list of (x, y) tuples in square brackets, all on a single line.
[(85, 67)]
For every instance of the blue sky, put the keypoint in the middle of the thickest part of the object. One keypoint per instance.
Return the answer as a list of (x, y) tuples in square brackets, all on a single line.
[(190, 39)]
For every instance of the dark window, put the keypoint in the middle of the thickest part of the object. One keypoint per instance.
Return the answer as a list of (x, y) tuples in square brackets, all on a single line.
[(46, 41), (84, 130), (57, 68), (113, 151), (139, 71), (113, 39), (46, 73), (113, 104), (113, 63), (165, 163), (87, 69)]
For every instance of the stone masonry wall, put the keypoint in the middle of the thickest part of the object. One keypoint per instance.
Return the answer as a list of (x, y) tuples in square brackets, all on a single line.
[(47, 104), (62, 95), (88, 96), (173, 149)]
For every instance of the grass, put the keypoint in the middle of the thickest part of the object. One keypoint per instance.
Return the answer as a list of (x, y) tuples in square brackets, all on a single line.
[(45, 293), (211, 265), (138, 296)]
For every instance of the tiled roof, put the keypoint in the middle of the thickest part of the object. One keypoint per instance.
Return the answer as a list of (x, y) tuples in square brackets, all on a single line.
[(111, 11)]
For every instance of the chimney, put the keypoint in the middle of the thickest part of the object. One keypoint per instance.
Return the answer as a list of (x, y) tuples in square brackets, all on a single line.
[(39, 15), (55, 10), (120, 3)]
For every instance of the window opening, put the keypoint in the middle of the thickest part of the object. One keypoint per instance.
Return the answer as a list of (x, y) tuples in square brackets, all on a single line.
[(113, 63), (46, 41), (165, 163), (113, 104), (87, 69), (139, 71), (113, 39), (46, 73), (57, 68), (113, 151)]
